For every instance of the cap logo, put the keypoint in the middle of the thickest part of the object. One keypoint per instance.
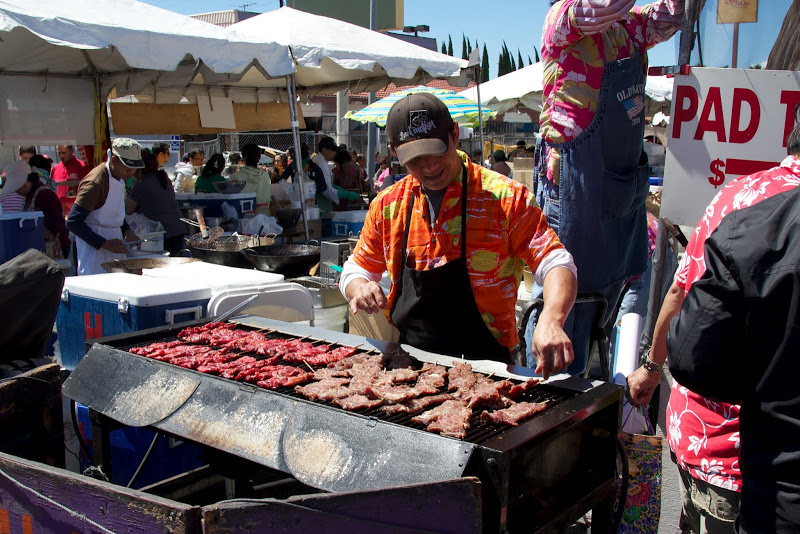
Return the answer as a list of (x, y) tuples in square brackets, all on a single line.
[(418, 124)]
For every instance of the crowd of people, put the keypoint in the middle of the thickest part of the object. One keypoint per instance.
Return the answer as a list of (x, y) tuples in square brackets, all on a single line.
[(92, 211)]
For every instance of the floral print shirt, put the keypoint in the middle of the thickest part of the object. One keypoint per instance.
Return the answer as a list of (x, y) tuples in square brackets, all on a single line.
[(703, 434), (505, 230), (573, 64)]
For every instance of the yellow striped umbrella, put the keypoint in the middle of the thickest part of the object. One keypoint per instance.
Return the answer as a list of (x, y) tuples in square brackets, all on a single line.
[(462, 109)]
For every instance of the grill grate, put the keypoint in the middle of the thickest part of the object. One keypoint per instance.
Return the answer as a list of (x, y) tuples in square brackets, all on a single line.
[(479, 431)]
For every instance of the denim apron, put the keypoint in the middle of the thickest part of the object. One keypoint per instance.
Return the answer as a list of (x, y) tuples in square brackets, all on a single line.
[(598, 208), (435, 309)]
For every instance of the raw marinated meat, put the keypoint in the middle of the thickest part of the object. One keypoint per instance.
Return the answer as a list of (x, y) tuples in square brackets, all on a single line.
[(515, 413)]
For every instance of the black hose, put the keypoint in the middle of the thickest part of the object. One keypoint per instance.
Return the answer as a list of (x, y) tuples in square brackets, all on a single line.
[(73, 411), (144, 460), (617, 520)]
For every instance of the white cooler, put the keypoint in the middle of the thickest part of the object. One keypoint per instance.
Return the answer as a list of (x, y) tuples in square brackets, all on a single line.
[(230, 286)]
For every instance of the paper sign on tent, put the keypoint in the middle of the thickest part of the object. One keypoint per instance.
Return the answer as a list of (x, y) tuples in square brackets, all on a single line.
[(216, 112)]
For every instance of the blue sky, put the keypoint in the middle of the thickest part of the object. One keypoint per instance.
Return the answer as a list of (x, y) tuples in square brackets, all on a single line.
[(519, 24)]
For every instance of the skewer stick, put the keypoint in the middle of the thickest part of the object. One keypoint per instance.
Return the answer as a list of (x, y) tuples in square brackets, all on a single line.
[(309, 366)]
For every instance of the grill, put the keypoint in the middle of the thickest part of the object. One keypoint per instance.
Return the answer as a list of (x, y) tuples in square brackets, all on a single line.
[(545, 472)]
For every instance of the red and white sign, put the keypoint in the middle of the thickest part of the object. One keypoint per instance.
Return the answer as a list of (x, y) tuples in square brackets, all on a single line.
[(724, 123)]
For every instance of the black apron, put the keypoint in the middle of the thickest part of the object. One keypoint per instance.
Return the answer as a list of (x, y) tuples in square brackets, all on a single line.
[(435, 310)]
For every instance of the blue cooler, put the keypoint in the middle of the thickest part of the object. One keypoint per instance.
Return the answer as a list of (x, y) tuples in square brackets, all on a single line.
[(20, 231), (115, 303), (212, 202)]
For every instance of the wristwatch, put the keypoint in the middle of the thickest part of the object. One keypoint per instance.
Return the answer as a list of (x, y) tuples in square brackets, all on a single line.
[(652, 366)]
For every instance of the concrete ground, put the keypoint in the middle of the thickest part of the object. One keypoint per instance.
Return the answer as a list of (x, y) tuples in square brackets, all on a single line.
[(670, 479)]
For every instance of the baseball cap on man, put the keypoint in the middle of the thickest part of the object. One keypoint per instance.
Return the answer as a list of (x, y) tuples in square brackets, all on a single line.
[(128, 151), (418, 125), (16, 176)]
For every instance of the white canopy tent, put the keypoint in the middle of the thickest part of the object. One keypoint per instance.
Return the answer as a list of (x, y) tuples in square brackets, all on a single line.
[(331, 55), (524, 88), (57, 57)]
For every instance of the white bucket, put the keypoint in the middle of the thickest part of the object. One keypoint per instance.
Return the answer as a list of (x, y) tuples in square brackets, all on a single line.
[(331, 318)]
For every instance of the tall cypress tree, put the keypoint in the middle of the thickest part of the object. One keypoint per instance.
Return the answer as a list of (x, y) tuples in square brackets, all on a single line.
[(529, 60), (536, 52), (485, 65), (520, 64), (513, 66), (449, 45), (444, 47), (464, 47)]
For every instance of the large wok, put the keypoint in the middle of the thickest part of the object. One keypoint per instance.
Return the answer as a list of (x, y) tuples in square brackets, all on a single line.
[(135, 265), (225, 250), (288, 260)]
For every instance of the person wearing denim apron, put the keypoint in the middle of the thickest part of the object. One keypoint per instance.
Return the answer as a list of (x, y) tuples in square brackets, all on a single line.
[(598, 208)]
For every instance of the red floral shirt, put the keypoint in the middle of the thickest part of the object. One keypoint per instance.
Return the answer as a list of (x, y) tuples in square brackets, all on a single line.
[(704, 434)]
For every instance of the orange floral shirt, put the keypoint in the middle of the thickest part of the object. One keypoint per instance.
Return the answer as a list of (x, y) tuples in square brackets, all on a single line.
[(505, 229)]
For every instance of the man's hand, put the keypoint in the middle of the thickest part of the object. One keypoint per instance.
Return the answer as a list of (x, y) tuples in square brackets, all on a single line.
[(552, 347), (641, 385), (114, 245), (131, 237), (365, 295), (550, 344)]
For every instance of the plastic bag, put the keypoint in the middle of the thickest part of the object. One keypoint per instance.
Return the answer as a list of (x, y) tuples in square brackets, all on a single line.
[(142, 225), (642, 509), (229, 212), (270, 224)]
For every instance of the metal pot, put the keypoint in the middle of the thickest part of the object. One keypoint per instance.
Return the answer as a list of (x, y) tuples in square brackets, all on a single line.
[(135, 265), (225, 250), (288, 260)]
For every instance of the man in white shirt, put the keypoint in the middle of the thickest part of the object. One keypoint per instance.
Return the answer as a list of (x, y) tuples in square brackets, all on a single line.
[(326, 150)]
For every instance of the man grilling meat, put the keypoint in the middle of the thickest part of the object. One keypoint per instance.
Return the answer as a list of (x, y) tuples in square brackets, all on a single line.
[(454, 285)]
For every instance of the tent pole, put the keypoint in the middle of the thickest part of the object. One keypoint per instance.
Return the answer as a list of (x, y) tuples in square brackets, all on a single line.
[(291, 88), (480, 111), (372, 129)]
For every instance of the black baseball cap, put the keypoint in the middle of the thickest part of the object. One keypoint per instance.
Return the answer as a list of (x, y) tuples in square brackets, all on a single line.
[(418, 125)]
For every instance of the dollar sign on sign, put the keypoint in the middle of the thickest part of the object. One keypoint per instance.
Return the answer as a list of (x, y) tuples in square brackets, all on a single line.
[(719, 175)]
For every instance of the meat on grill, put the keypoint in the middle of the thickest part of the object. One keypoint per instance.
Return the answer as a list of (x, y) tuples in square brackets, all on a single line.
[(351, 381), (420, 404), (326, 390), (449, 419), (460, 376), (514, 414), (357, 402)]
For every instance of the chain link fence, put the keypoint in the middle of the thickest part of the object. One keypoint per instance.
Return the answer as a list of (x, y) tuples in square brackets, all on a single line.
[(282, 141)]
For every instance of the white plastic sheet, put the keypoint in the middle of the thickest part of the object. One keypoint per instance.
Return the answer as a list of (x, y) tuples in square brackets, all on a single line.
[(46, 111)]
